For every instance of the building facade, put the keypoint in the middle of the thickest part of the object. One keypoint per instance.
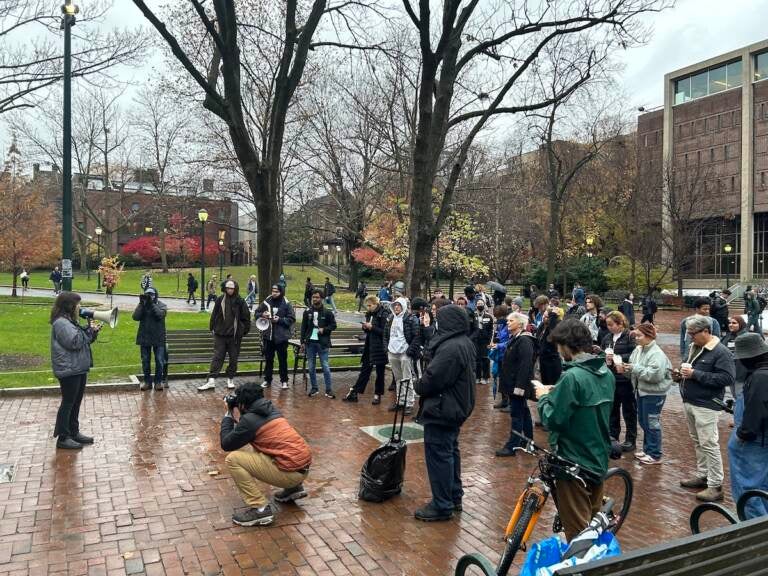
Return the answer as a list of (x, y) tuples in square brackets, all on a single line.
[(714, 124)]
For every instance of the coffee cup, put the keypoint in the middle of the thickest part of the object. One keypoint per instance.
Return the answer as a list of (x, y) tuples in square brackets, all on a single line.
[(685, 365), (609, 351), (617, 360)]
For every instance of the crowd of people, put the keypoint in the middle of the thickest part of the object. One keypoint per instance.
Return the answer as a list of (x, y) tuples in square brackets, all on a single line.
[(594, 374)]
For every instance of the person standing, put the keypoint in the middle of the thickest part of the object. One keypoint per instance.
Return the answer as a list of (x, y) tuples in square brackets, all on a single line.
[(482, 338), (736, 327), (384, 293), (701, 306), (753, 312), (719, 309), (627, 307), (282, 282), (576, 412), (649, 307), (24, 279), (649, 370), (252, 291), (329, 290), (496, 353), (707, 371), (747, 447), (374, 352), (150, 314), (552, 292), (578, 295), (55, 277), (317, 324), (308, 292), (593, 304), (191, 289), (278, 310), (545, 320), (362, 292), (230, 322), (71, 359), (146, 281), (211, 289), (516, 380), (224, 282), (447, 398), (618, 347), (401, 331)]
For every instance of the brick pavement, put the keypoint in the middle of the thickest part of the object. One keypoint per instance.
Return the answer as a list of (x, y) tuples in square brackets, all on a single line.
[(142, 501)]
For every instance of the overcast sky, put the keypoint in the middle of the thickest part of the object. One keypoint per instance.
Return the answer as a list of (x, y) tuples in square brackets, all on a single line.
[(691, 32)]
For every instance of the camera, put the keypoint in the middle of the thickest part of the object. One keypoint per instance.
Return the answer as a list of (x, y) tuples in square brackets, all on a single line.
[(232, 401)]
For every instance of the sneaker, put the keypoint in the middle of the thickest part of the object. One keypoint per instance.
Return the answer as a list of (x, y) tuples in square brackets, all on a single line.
[(145, 386), (376, 400), (82, 438), (254, 517), (68, 444), (646, 459), (210, 385), (330, 395), (628, 446), (284, 385), (350, 397), (504, 453), (230, 383), (291, 494), (640, 455), (313, 393), (710, 494), (700, 482), (266, 384), (430, 514), (159, 386)]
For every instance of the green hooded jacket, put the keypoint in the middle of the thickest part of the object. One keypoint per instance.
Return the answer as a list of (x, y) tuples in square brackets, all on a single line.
[(577, 411)]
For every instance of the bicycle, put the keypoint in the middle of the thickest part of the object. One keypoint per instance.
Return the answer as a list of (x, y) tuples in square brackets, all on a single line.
[(539, 486)]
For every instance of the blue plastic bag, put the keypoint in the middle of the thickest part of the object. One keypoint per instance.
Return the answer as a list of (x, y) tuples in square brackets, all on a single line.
[(546, 556)]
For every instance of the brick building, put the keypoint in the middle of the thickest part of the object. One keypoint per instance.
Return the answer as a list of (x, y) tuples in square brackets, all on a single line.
[(715, 118)]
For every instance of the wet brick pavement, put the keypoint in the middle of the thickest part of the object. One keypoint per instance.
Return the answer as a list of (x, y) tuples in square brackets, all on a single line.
[(142, 501)]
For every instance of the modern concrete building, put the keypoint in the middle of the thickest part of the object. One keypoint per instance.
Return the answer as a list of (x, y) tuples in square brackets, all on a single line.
[(715, 117)]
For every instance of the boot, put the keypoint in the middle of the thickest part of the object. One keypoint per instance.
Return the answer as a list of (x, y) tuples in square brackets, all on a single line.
[(711, 494), (146, 385), (503, 403), (351, 396), (700, 482)]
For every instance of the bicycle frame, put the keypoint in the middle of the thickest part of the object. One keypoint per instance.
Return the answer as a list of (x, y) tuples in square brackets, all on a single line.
[(542, 493)]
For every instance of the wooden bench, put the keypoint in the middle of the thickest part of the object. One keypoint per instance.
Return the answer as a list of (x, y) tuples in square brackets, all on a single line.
[(348, 349), (196, 347)]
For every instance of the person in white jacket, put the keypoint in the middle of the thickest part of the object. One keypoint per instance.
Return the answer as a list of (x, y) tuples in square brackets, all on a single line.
[(651, 376)]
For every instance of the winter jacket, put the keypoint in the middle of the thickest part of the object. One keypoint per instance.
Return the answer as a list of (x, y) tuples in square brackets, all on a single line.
[(649, 306), (325, 321), (375, 350), (719, 311), (517, 366), (752, 306), (550, 363), (685, 340), (579, 296), (70, 348), (231, 316), (754, 422), (151, 319), (729, 341), (411, 331), (252, 288), (651, 370), (447, 388), (627, 307), (577, 412), (384, 294), (329, 289), (264, 427), (713, 372), (211, 287), (484, 332), (55, 276), (281, 330), (591, 322), (622, 347), (191, 284)]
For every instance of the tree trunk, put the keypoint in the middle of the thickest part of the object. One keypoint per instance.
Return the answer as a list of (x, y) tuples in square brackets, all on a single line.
[(451, 283), (633, 269), (680, 281), (354, 274), (554, 219), (163, 254)]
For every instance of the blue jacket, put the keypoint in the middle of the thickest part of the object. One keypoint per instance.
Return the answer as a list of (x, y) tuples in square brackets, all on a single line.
[(685, 341)]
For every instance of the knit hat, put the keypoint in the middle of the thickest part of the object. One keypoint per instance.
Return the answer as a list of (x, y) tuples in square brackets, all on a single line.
[(519, 301), (750, 345), (229, 284), (647, 329), (418, 303)]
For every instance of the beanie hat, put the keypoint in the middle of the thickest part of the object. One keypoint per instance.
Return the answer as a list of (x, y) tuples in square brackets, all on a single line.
[(647, 329), (418, 303), (229, 284), (519, 301)]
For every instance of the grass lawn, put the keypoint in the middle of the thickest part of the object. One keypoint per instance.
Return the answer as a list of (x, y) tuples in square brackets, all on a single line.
[(26, 361), (167, 284)]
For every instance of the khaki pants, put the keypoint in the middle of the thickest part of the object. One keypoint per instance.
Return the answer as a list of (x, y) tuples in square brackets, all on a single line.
[(576, 505), (247, 465), (401, 370), (702, 426)]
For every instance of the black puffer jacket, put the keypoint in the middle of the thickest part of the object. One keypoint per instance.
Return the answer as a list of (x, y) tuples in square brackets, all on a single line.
[(374, 349), (151, 318), (230, 316), (484, 332), (517, 366), (325, 320), (447, 388), (622, 347)]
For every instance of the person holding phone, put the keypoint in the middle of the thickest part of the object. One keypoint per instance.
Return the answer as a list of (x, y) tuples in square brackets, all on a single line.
[(374, 352)]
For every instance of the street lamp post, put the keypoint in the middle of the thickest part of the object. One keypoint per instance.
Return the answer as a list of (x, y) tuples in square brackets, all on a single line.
[(202, 215), (727, 249), (590, 242), (88, 257), (98, 231), (338, 266), (68, 20), (221, 259), (148, 229)]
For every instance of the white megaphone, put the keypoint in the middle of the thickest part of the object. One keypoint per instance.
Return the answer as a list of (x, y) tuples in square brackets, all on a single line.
[(107, 316), (262, 324)]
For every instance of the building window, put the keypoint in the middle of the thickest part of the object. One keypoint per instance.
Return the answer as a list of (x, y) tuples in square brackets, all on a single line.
[(710, 81), (762, 179), (761, 66), (733, 118), (726, 151), (733, 183), (719, 121), (711, 154), (717, 80), (698, 157), (734, 74), (645, 140)]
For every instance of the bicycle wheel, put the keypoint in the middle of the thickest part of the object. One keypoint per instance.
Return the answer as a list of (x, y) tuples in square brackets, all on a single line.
[(617, 484), (473, 565), (515, 539)]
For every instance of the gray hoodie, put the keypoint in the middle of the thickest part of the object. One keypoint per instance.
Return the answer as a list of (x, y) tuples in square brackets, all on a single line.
[(397, 342)]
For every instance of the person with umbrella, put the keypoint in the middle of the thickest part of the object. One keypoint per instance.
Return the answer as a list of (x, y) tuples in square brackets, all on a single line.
[(499, 292)]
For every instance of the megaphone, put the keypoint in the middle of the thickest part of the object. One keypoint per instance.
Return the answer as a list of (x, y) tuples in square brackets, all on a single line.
[(107, 316), (262, 324)]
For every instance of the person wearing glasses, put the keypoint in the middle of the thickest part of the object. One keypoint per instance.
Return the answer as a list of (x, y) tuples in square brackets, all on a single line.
[(706, 372)]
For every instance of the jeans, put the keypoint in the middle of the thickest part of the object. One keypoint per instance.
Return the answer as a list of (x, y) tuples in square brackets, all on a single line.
[(649, 409), (747, 461), (146, 366), (270, 349), (520, 415), (365, 374), (443, 460), (313, 351), (624, 404), (191, 296), (68, 417), (401, 370), (223, 345), (330, 302), (702, 426)]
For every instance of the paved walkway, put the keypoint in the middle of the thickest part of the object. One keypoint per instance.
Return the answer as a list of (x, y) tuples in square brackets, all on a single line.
[(153, 496)]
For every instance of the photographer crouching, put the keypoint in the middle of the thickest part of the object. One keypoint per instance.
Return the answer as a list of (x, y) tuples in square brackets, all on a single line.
[(150, 314), (277, 455)]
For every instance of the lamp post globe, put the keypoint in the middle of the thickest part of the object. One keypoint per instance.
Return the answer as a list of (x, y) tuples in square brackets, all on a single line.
[(98, 232), (727, 249), (202, 215)]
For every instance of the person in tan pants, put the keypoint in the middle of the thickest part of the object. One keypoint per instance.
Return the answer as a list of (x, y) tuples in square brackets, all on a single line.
[(263, 447)]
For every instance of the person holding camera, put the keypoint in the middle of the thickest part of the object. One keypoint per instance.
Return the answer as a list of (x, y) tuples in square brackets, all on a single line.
[(150, 314), (230, 322), (71, 359), (278, 310), (316, 326), (279, 456)]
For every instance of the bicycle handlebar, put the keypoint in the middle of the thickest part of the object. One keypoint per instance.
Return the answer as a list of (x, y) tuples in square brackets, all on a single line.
[(572, 469)]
